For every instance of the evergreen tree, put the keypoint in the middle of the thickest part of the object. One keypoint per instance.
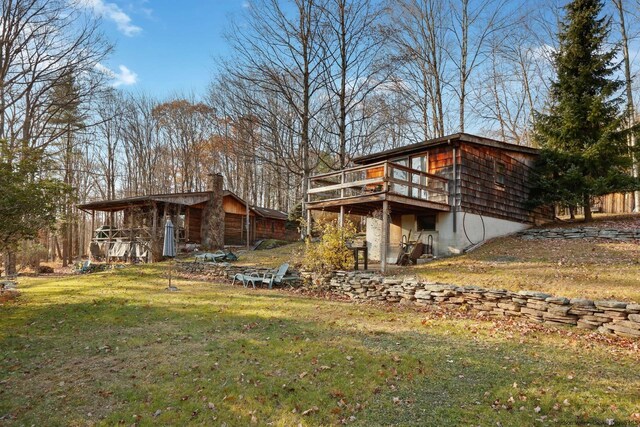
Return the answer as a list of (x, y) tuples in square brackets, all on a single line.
[(584, 151), (28, 204), (68, 120)]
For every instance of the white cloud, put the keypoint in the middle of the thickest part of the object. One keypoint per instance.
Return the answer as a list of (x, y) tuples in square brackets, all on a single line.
[(112, 12), (125, 77)]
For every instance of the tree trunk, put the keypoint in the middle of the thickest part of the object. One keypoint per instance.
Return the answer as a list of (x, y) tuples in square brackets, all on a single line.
[(9, 264), (629, 93), (587, 208)]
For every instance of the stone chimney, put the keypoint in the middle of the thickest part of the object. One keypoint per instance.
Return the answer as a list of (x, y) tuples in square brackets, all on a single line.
[(213, 214), (215, 182)]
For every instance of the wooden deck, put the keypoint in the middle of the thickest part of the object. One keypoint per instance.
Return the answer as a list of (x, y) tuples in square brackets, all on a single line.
[(362, 189)]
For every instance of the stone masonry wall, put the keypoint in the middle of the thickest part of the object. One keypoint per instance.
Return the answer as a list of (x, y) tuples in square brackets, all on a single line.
[(581, 233), (615, 317)]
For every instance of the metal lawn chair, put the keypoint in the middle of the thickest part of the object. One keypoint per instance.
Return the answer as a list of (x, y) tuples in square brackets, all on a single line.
[(275, 276), (85, 267), (247, 278)]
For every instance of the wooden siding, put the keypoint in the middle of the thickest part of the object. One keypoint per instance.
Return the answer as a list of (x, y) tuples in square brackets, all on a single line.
[(441, 161), (232, 206), (268, 228), (194, 224), (482, 194), (261, 228), (234, 233)]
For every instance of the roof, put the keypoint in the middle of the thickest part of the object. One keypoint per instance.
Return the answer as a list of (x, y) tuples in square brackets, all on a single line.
[(461, 137), (270, 213), (187, 199)]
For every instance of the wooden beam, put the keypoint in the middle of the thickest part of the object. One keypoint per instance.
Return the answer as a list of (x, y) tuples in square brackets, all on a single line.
[(417, 203), (350, 184), (375, 197)]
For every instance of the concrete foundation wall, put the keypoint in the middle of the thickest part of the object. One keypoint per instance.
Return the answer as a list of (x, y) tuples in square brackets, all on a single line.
[(478, 228), (445, 241)]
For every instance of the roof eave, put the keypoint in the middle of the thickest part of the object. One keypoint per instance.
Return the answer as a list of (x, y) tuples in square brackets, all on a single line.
[(448, 139)]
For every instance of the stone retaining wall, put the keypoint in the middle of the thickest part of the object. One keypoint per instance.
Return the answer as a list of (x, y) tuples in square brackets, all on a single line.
[(615, 317), (581, 233)]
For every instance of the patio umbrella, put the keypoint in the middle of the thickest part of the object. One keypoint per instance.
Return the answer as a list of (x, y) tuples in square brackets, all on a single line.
[(169, 248)]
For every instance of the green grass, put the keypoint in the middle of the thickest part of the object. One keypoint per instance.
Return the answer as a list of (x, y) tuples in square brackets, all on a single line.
[(272, 258), (595, 269), (115, 347)]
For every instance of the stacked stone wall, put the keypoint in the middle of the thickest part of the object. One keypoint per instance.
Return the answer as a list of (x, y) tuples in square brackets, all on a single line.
[(615, 317), (581, 233)]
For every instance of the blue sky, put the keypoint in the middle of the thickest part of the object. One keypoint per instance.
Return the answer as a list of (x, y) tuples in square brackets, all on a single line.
[(164, 46)]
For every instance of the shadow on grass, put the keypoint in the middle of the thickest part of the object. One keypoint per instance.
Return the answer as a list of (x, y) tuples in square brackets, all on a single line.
[(217, 354)]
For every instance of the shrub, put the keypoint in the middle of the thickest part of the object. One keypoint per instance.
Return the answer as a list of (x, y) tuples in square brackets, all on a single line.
[(30, 254), (331, 252)]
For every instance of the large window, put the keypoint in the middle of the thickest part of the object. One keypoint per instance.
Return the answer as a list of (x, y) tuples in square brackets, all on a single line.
[(420, 163)]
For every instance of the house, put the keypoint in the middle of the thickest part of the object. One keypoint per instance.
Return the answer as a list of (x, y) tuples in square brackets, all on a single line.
[(209, 219), (453, 192)]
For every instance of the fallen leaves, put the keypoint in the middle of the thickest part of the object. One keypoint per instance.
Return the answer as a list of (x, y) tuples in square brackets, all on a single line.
[(311, 410)]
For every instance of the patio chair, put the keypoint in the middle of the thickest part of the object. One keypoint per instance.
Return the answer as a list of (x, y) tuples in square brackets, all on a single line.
[(216, 257), (247, 278), (278, 277), (84, 267)]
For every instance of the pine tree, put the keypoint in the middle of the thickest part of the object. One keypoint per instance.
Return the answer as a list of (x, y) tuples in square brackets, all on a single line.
[(68, 120), (584, 152)]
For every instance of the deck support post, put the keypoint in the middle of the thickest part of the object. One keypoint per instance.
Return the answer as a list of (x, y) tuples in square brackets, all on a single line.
[(385, 236), (341, 217), (154, 232), (308, 224), (132, 239)]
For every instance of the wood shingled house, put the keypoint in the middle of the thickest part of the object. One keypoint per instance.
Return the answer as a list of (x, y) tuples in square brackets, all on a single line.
[(209, 219), (450, 192)]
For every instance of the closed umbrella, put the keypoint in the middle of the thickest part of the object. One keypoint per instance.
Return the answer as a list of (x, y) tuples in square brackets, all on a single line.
[(169, 248)]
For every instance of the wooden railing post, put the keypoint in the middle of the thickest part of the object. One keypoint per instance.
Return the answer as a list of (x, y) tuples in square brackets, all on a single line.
[(385, 177)]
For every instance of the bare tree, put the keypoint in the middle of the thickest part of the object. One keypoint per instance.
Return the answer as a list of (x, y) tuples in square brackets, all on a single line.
[(472, 24), (631, 117), (41, 44), (418, 31), (44, 44), (355, 69), (279, 51)]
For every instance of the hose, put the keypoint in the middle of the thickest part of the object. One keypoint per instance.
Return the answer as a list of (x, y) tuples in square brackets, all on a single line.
[(464, 228)]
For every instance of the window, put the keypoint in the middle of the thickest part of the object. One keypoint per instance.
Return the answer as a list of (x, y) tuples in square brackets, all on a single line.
[(273, 227), (501, 171), (400, 175), (427, 222), (420, 163)]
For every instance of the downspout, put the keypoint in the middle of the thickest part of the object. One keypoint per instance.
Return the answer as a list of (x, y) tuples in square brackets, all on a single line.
[(454, 190)]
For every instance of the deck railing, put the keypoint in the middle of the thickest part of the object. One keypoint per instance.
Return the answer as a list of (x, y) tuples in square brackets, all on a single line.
[(378, 178), (129, 234)]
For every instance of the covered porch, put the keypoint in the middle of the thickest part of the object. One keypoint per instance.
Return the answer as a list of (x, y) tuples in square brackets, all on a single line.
[(394, 199), (131, 229)]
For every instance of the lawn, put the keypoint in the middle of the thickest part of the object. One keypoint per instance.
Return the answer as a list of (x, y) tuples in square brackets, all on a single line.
[(114, 347), (595, 269)]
